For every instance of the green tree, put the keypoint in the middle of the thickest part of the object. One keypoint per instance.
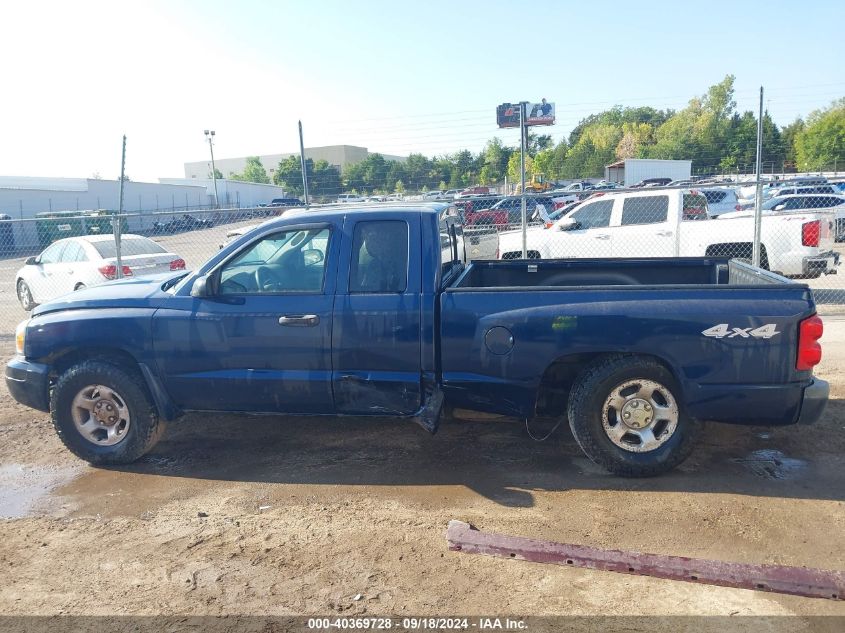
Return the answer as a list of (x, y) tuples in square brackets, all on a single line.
[(788, 135), (536, 143), (635, 138), (494, 161), (513, 168), (550, 162), (253, 171), (399, 187), (821, 144), (323, 179), (288, 174)]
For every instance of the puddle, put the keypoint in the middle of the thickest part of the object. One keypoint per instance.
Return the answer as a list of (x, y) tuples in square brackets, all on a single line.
[(772, 464), (22, 487)]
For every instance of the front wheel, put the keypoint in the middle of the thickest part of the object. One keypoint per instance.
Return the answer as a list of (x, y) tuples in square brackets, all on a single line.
[(25, 296), (104, 414), (627, 416)]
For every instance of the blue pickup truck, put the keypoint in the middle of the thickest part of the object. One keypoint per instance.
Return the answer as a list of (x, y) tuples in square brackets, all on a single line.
[(374, 311)]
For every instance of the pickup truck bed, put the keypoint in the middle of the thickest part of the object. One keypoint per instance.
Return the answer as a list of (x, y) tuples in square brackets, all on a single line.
[(681, 311)]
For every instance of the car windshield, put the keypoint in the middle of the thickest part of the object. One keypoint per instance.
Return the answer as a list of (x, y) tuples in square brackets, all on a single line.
[(771, 204), (129, 246)]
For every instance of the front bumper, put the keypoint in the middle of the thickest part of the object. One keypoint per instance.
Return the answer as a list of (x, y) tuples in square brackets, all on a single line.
[(29, 383), (824, 263), (814, 402)]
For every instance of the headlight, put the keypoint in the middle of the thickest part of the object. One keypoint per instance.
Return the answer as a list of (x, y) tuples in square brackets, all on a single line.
[(20, 336)]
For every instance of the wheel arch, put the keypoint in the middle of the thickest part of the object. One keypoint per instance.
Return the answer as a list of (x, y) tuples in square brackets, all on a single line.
[(559, 377), (66, 359), (743, 250)]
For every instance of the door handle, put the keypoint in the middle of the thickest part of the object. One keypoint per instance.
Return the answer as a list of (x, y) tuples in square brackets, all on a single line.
[(303, 320), (603, 236), (664, 233)]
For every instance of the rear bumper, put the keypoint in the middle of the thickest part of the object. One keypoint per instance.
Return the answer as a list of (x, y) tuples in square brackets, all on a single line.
[(814, 402), (765, 405), (28, 383), (823, 262)]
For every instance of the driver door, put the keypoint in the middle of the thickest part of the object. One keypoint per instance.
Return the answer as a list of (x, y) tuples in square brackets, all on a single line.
[(591, 236), (261, 340)]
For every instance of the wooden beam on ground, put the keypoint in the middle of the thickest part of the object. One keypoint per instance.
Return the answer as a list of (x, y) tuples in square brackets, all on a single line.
[(799, 581)]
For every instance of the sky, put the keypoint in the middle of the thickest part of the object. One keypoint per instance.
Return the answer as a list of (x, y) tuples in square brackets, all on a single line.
[(395, 77)]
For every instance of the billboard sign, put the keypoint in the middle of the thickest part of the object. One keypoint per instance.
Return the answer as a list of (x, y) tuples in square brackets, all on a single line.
[(543, 113)]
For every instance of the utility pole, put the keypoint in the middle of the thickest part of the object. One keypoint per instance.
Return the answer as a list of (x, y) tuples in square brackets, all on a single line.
[(302, 165), (209, 134), (758, 199), (522, 150), (117, 219)]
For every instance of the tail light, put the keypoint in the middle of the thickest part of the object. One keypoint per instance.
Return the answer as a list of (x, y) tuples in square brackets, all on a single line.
[(558, 205), (811, 233), (110, 271), (737, 207), (177, 264), (810, 330)]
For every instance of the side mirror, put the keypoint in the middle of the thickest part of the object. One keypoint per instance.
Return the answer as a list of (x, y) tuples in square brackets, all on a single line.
[(312, 256), (568, 224), (30, 261), (200, 287)]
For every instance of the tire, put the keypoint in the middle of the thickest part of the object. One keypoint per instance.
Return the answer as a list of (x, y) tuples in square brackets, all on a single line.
[(593, 418), (25, 296), (125, 390)]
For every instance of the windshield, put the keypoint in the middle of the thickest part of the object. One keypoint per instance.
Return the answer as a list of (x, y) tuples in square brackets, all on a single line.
[(771, 204)]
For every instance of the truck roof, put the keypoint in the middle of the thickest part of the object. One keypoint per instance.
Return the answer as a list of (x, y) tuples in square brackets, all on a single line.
[(332, 211)]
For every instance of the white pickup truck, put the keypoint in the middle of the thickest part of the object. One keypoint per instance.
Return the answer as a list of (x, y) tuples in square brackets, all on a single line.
[(675, 223)]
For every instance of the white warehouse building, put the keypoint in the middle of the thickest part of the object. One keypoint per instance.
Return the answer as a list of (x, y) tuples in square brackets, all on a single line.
[(23, 198)]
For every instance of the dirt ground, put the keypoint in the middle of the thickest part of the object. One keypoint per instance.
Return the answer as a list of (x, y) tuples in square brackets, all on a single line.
[(246, 515)]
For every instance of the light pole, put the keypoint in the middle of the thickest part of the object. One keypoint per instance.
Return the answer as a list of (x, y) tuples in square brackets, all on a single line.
[(209, 134)]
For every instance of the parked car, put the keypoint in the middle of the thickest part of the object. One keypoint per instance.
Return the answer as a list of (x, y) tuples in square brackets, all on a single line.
[(803, 202), (286, 202), (721, 201), (577, 186), (186, 222), (675, 223), (75, 263), (235, 233), (469, 206), (507, 211), (377, 313), (651, 182), (473, 191), (349, 197)]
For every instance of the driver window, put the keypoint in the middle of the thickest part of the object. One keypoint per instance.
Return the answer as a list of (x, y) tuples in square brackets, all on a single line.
[(594, 215), (288, 261)]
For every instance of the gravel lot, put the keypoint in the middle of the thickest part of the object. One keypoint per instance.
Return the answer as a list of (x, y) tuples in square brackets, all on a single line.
[(271, 515)]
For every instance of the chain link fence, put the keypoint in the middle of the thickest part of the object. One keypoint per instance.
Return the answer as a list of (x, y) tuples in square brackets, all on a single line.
[(802, 226), (802, 234)]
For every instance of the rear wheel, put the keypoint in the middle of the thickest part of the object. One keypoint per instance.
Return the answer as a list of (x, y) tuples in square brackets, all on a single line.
[(627, 416), (25, 296), (104, 414)]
